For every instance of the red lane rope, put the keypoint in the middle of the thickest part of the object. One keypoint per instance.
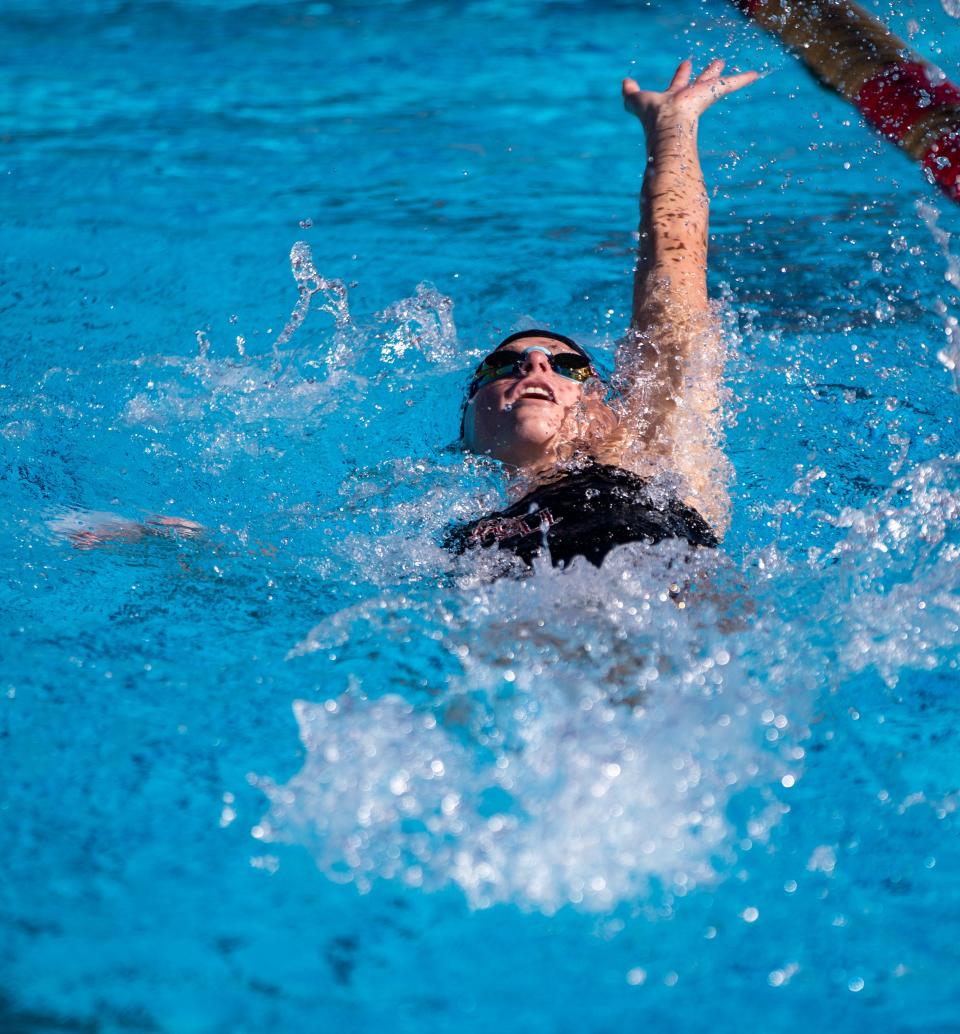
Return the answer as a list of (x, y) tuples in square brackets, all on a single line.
[(895, 99), (942, 160), (905, 98)]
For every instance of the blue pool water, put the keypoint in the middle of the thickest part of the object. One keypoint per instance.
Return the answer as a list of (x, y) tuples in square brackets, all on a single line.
[(308, 774)]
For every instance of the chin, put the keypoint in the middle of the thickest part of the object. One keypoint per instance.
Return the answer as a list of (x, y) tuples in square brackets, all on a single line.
[(533, 428), (526, 450), (526, 440)]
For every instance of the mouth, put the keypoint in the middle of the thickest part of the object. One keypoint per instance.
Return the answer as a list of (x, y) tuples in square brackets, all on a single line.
[(536, 390)]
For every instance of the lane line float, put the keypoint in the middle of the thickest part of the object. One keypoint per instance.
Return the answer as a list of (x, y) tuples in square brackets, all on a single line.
[(906, 98)]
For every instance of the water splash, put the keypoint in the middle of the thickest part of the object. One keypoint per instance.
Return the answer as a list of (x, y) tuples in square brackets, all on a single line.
[(248, 387), (949, 355), (203, 345), (895, 574), (333, 299), (425, 323), (545, 769)]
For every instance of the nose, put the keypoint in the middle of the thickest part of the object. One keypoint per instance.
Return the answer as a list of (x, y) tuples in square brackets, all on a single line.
[(535, 360)]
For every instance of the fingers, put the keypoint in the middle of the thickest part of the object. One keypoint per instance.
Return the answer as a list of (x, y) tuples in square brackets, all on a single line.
[(731, 83), (711, 71), (720, 86), (681, 77), (711, 85), (699, 94), (633, 101)]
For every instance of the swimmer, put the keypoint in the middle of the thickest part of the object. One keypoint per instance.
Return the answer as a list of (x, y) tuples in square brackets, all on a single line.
[(595, 470), (593, 467)]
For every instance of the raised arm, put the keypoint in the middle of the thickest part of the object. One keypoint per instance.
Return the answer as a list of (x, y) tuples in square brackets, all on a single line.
[(670, 363), (672, 261)]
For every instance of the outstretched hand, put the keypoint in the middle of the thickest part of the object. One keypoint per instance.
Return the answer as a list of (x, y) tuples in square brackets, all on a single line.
[(683, 100)]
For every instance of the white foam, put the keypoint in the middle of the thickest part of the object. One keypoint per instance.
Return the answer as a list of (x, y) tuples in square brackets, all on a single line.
[(530, 777)]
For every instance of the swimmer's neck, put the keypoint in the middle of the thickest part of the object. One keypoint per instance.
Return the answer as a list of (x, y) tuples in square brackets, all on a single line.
[(524, 479)]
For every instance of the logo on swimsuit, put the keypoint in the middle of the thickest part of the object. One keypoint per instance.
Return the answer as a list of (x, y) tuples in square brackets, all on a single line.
[(495, 529)]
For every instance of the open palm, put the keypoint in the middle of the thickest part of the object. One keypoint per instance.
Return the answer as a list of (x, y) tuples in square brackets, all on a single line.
[(682, 98)]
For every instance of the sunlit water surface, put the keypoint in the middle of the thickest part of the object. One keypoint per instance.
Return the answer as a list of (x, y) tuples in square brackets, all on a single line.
[(309, 772)]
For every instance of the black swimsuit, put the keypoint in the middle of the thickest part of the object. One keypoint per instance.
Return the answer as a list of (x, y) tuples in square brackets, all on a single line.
[(586, 514)]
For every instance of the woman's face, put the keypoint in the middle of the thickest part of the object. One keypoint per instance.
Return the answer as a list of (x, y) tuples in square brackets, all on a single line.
[(521, 420)]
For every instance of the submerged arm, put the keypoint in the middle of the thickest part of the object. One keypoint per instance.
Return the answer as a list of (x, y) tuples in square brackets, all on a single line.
[(108, 529)]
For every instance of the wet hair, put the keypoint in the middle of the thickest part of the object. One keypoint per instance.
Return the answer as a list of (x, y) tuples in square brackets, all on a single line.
[(551, 335)]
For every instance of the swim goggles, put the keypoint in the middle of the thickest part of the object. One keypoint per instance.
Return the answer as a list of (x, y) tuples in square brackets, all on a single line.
[(576, 366)]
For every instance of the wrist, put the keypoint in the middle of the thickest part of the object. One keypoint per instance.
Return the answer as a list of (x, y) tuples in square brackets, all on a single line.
[(668, 119), (671, 131)]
